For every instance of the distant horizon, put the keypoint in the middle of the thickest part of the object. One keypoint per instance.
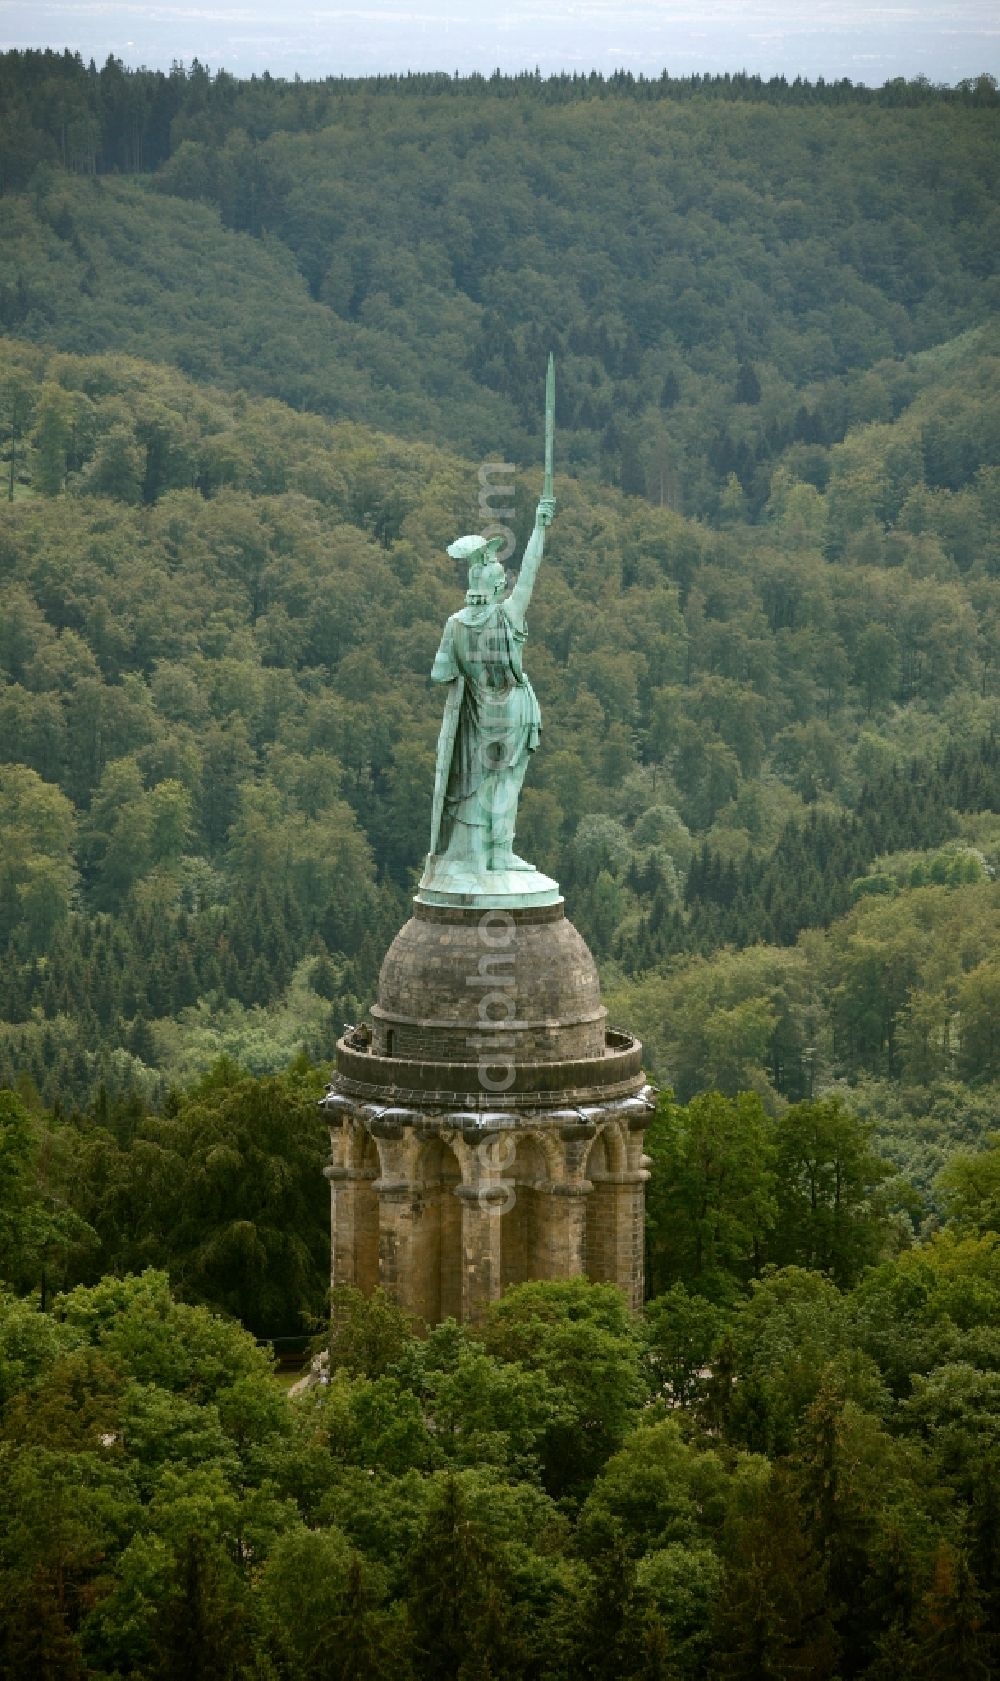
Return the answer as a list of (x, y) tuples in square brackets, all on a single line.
[(835, 39), (511, 73)]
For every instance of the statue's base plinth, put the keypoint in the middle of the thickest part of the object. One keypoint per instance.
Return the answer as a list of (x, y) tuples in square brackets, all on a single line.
[(444, 883)]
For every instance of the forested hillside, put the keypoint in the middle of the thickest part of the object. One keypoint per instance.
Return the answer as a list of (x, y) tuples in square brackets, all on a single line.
[(727, 272), (210, 830), (769, 682)]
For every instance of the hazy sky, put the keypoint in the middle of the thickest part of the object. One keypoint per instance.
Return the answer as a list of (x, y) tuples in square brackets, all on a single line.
[(944, 41)]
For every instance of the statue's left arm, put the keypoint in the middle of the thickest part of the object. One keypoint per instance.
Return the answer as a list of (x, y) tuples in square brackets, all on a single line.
[(446, 667), (520, 595)]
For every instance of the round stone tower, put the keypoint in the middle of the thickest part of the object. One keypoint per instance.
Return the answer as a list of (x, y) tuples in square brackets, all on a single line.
[(486, 1124)]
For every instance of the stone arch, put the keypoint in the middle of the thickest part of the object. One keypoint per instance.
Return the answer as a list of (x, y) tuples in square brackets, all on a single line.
[(600, 1249), (552, 1151), (366, 1168), (463, 1154), (525, 1234), (614, 1146), (435, 1289)]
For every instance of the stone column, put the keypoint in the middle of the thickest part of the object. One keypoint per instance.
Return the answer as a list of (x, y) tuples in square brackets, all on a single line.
[(482, 1221), (341, 1178), (566, 1236), (341, 1225), (395, 1240), (628, 1246)]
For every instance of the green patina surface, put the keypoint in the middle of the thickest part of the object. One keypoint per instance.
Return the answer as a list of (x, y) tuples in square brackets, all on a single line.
[(491, 725)]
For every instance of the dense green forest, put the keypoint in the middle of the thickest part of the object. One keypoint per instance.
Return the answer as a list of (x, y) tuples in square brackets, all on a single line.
[(260, 338), (727, 272), (800, 1481)]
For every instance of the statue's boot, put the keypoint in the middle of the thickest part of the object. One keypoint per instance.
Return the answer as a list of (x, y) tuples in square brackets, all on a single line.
[(510, 861), (503, 857)]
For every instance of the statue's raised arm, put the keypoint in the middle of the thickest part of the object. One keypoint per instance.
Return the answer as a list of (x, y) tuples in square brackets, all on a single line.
[(520, 595), (517, 605)]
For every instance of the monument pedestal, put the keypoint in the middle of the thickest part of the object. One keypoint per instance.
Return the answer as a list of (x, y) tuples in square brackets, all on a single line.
[(449, 883), (488, 1119)]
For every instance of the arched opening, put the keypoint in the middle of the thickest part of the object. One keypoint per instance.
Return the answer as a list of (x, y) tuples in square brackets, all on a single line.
[(437, 1235), (366, 1170), (601, 1239), (524, 1233)]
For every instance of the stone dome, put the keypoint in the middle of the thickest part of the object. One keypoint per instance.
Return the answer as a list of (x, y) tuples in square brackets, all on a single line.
[(452, 973)]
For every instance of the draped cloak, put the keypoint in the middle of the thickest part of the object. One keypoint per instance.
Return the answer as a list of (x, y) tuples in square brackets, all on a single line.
[(500, 719)]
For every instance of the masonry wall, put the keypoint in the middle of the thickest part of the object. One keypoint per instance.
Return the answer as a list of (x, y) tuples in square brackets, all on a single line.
[(447, 1225)]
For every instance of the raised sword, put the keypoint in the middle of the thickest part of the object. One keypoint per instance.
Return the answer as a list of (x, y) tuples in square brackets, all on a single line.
[(550, 423)]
